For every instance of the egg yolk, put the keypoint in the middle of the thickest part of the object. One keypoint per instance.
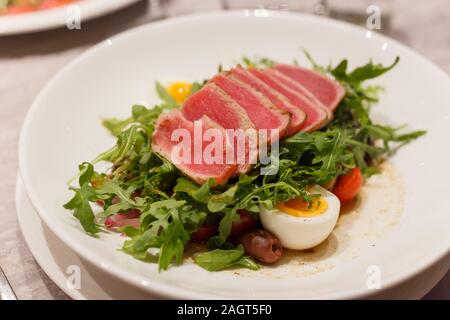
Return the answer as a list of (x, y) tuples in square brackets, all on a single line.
[(300, 208), (179, 90)]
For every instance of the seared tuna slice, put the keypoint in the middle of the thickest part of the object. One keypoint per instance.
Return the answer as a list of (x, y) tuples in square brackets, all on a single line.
[(316, 115), (327, 90), (189, 155), (278, 100), (262, 113), (220, 107)]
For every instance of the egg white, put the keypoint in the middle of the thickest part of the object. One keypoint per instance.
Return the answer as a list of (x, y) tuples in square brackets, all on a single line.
[(300, 233)]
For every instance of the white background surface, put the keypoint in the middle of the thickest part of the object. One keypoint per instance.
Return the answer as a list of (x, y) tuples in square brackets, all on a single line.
[(28, 61)]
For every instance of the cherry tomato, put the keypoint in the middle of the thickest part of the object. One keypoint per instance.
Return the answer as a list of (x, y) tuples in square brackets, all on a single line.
[(348, 185), (246, 223), (205, 232)]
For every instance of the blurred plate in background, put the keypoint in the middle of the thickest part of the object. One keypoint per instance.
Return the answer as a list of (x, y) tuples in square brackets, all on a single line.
[(58, 17)]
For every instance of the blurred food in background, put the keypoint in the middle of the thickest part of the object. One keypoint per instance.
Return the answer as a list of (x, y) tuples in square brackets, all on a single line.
[(9, 7)]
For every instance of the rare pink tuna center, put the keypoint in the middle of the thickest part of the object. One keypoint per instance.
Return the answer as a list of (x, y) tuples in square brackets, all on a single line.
[(225, 146)]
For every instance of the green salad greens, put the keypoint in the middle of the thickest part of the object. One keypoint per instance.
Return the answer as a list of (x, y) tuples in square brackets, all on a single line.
[(173, 207)]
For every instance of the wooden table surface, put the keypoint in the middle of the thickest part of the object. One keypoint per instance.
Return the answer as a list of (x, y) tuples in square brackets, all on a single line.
[(28, 61)]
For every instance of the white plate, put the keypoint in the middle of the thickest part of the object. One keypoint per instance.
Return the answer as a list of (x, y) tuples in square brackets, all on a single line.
[(57, 17), (62, 265), (401, 227)]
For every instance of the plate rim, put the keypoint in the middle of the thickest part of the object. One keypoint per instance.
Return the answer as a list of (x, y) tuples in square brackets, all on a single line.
[(161, 288), (51, 18), (19, 191), (48, 261)]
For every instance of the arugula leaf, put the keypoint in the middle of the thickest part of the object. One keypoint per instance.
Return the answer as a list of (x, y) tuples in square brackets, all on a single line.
[(340, 71), (186, 185), (80, 202), (370, 71), (165, 96), (128, 143), (130, 231), (139, 115), (353, 115), (116, 126), (158, 211), (110, 209), (192, 218), (220, 259), (218, 202), (196, 86), (146, 240), (314, 64), (247, 262), (161, 227), (174, 239), (139, 251), (201, 193), (226, 223), (258, 62)]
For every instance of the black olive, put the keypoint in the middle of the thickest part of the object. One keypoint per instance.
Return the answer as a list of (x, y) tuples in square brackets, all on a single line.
[(262, 245)]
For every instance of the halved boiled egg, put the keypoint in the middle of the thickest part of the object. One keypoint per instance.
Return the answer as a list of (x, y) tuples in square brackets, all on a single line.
[(301, 225)]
